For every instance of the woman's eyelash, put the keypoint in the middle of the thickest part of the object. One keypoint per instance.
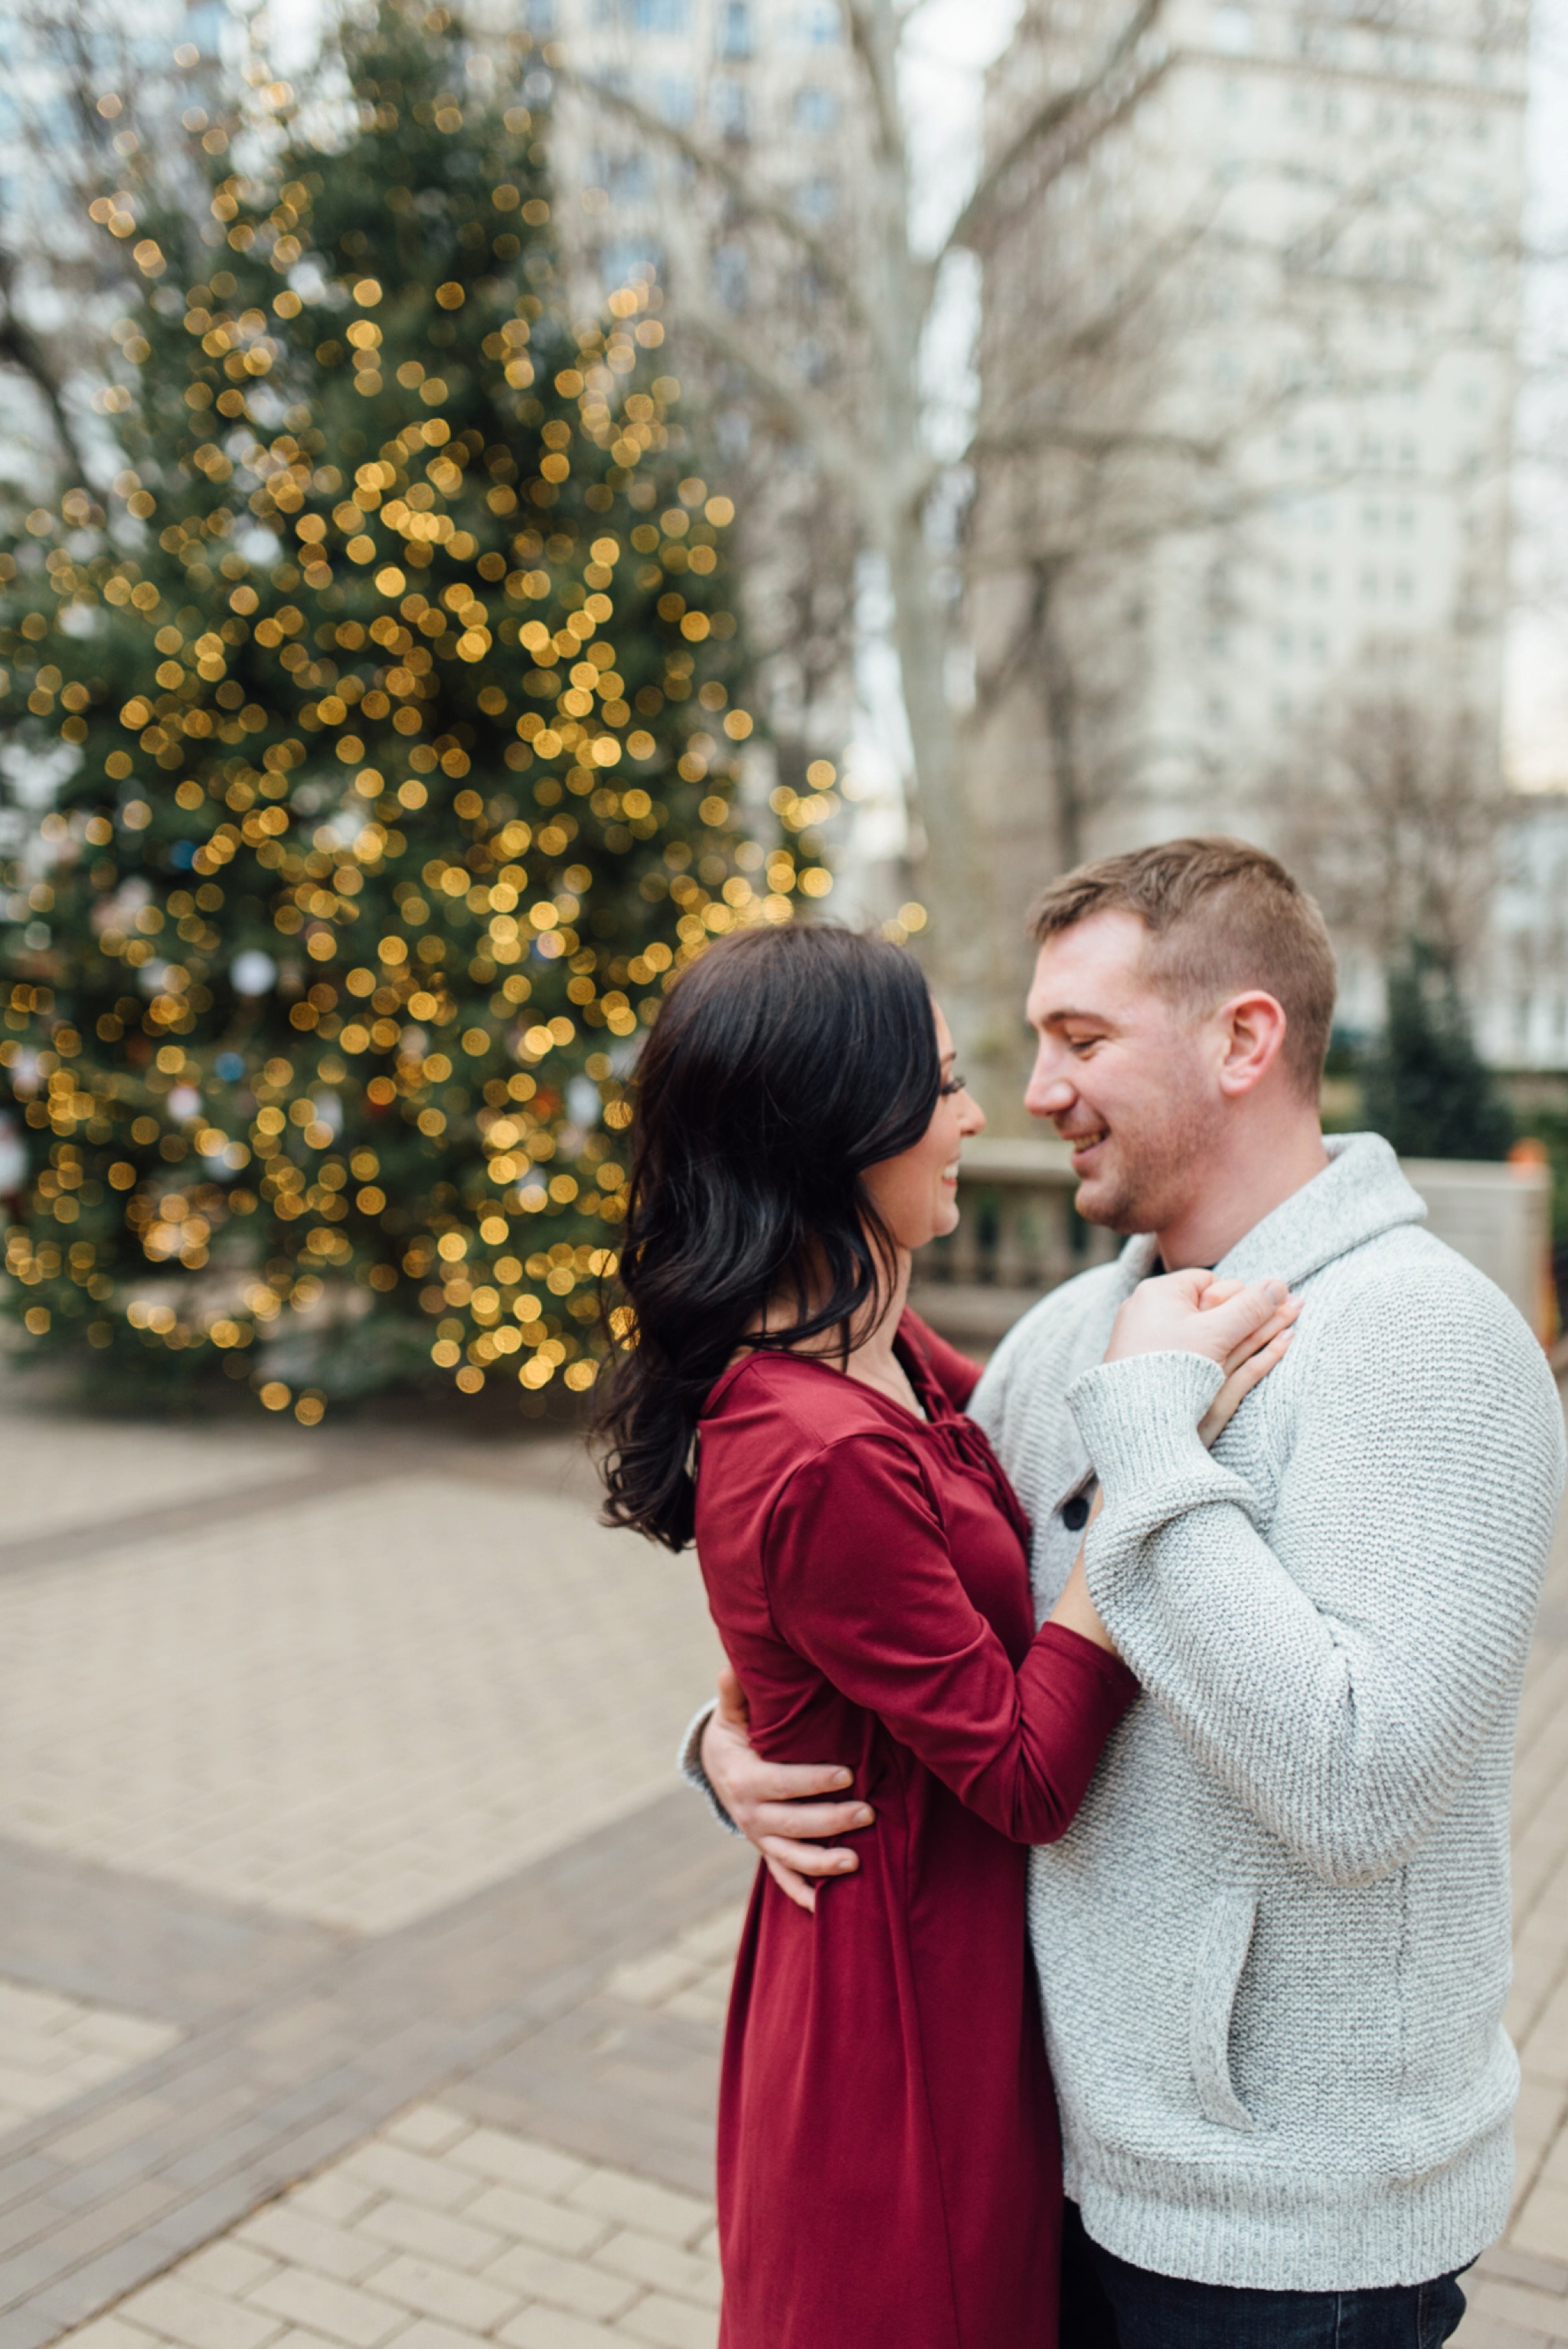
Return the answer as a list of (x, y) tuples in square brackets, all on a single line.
[(955, 1083)]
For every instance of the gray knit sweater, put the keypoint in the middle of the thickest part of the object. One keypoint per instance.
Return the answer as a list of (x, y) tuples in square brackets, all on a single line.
[(1274, 1949)]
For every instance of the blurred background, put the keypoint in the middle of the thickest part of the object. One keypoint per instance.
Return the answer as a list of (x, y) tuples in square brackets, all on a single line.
[(1123, 421)]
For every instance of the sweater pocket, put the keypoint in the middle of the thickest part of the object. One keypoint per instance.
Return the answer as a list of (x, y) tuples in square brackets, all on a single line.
[(1222, 1955)]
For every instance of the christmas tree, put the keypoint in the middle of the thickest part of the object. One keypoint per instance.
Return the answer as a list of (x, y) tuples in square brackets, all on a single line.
[(400, 701)]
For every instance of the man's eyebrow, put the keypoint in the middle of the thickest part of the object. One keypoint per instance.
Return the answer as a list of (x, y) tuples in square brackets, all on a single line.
[(1058, 1017)]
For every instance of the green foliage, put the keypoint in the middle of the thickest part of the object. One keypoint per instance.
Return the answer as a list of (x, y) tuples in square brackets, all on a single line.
[(1425, 1085), (395, 700)]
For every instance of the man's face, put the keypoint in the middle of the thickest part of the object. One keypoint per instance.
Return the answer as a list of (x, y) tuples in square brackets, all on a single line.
[(1124, 1075)]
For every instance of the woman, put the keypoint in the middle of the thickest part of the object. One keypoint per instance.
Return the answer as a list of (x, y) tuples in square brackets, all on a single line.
[(889, 2169)]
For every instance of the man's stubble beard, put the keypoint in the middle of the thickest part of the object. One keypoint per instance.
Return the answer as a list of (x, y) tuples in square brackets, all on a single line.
[(1152, 1182)]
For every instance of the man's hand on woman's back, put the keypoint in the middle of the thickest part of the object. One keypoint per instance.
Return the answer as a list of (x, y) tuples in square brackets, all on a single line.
[(776, 1805)]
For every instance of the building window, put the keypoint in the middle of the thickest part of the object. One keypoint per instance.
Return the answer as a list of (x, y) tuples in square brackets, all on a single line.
[(730, 275), (674, 100), (670, 18), (628, 179), (817, 199), (734, 29), (627, 260), (818, 24), (729, 107), (816, 110)]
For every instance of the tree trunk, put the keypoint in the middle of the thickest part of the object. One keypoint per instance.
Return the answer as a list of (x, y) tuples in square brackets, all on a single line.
[(969, 973), (1059, 697)]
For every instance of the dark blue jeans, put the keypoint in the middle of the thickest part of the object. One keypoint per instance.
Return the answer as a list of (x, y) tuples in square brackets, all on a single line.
[(1107, 2304)]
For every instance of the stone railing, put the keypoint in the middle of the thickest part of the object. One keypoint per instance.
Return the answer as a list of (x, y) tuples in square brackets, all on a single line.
[(1018, 1235), (1500, 1218)]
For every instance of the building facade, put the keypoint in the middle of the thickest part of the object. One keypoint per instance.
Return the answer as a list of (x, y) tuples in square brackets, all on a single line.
[(1522, 999), (1248, 378)]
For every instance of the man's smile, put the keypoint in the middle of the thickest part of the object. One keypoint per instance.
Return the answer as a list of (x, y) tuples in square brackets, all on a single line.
[(1084, 1146)]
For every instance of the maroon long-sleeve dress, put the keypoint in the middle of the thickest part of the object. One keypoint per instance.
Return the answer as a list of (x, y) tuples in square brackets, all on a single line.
[(889, 2167)]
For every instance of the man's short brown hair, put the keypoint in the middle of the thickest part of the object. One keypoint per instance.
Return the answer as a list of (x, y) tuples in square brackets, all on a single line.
[(1221, 916)]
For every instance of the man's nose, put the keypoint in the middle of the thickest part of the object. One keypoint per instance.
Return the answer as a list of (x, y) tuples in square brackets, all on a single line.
[(1048, 1093)]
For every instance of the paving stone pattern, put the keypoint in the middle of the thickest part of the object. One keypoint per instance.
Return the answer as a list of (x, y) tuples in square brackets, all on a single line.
[(435, 2234), (356, 1711), (335, 1814), (102, 2196), (1518, 2292), (691, 1976), (110, 1938), (54, 2049), (53, 1480)]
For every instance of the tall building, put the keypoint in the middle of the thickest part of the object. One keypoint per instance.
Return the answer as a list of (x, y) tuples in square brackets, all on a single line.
[(760, 85), (735, 121), (1247, 382), (1522, 1007)]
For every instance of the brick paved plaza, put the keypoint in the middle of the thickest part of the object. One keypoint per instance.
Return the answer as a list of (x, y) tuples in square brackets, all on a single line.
[(361, 1969)]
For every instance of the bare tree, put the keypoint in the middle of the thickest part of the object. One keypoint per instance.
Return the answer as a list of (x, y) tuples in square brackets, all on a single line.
[(97, 99), (831, 349), (1394, 810), (1246, 317)]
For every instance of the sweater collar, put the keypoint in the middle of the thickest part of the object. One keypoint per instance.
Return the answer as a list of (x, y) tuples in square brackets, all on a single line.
[(1360, 1193)]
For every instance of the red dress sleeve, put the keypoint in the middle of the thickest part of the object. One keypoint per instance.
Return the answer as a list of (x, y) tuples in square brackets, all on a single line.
[(954, 1373), (861, 1583)]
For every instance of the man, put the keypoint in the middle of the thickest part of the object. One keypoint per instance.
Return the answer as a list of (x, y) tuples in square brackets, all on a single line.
[(1274, 1949)]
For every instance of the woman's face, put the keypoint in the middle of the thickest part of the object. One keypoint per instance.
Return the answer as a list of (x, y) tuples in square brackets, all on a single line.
[(916, 1193)]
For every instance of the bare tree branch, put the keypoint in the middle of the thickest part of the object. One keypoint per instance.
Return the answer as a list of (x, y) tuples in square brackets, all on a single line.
[(21, 348), (1056, 113), (715, 166)]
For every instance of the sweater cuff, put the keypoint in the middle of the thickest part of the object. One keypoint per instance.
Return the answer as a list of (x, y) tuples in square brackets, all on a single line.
[(1139, 1420), (688, 1761)]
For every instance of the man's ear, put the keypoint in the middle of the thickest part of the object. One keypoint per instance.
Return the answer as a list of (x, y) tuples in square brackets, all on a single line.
[(1252, 1027)]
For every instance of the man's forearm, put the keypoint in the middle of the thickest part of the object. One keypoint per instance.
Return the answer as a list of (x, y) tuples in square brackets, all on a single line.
[(1343, 1713)]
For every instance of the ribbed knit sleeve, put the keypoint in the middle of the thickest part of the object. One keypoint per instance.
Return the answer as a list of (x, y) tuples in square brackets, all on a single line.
[(688, 1761), (1339, 1683)]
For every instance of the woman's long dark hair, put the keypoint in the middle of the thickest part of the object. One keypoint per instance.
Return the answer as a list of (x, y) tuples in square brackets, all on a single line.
[(782, 1065)]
